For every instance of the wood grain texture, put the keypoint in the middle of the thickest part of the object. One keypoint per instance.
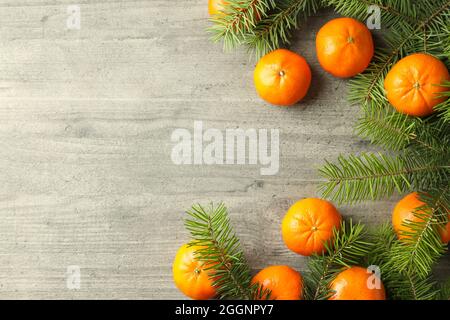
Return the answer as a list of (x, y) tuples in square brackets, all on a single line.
[(85, 123)]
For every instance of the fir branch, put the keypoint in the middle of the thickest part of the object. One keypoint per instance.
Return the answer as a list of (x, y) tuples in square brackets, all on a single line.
[(211, 229), (383, 237), (274, 30), (421, 245), (394, 13), (443, 291), (398, 286), (388, 128), (438, 201), (444, 107), (372, 176), (432, 138), (433, 28), (346, 248), (396, 131), (436, 8), (238, 18), (367, 88), (412, 287), (446, 44)]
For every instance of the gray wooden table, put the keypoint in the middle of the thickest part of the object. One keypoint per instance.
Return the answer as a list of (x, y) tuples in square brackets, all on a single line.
[(86, 118)]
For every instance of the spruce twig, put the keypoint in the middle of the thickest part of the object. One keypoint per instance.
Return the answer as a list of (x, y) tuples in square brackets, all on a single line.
[(399, 286), (421, 246), (346, 248), (376, 176), (221, 252), (396, 131), (402, 41), (275, 30), (443, 291), (238, 18), (444, 107), (394, 13)]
